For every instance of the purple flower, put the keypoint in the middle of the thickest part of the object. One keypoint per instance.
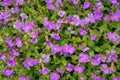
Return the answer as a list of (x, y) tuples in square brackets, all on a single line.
[(112, 57), (103, 58), (10, 44), (116, 78), (98, 78), (86, 5), (50, 6), (7, 39), (72, 32), (68, 18), (112, 36), (69, 28), (4, 15), (28, 63), (98, 6), (98, 15), (58, 24), (45, 58), (1, 54), (115, 17), (17, 24), (93, 36), (84, 49), (55, 49), (105, 69), (114, 2), (91, 18), (54, 76), (14, 52), (61, 13), (48, 42), (18, 42), (5, 3), (26, 27), (45, 21), (48, 1), (11, 62), (106, 18), (19, 2), (83, 57), (94, 75), (110, 12), (23, 16), (75, 20), (79, 69), (7, 72), (15, 10), (71, 49), (44, 71), (36, 61), (67, 49), (34, 40), (22, 77), (58, 3), (60, 70), (118, 12), (83, 22), (82, 32), (48, 24), (29, 1), (96, 60), (33, 34), (74, 1), (111, 52), (69, 67), (55, 36), (3, 57)]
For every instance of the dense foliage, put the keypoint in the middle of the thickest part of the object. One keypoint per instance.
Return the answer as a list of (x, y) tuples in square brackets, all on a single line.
[(59, 40)]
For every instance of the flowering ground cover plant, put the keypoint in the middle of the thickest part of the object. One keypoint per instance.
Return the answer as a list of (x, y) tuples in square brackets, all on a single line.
[(59, 40)]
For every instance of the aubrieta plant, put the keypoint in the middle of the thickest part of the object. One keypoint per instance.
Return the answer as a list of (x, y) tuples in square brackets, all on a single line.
[(59, 39)]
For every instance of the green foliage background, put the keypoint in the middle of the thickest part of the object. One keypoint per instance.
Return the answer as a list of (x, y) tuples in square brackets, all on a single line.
[(37, 10)]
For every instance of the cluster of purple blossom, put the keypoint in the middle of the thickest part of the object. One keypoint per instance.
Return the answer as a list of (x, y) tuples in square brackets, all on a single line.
[(11, 61), (106, 69), (28, 27), (65, 49), (76, 68), (4, 16), (91, 18), (16, 40), (114, 2), (114, 37), (51, 5), (113, 16), (50, 25), (53, 75), (110, 56), (12, 42), (96, 77), (8, 2), (29, 62), (22, 77)]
